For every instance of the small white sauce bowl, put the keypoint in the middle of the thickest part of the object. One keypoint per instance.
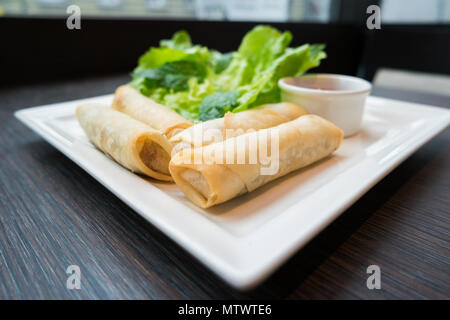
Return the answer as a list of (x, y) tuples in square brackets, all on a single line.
[(337, 98)]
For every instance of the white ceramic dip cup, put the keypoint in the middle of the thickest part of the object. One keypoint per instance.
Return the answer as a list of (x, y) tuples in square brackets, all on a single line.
[(337, 98)]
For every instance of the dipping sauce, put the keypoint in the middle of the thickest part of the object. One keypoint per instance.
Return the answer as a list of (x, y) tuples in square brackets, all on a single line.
[(329, 82), (337, 98)]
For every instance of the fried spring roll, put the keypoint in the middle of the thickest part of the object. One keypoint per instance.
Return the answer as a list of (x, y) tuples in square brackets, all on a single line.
[(214, 180), (133, 103), (131, 143), (235, 124), (264, 116)]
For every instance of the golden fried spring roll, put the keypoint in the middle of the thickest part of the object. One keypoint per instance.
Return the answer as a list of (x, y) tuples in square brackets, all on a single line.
[(262, 117), (214, 180), (131, 143), (133, 103), (235, 124)]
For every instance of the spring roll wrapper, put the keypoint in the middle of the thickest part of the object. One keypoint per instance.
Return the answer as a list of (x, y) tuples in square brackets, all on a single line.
[(262, 117), (235, 124), (133, 144), (133, 103), (302, 141)]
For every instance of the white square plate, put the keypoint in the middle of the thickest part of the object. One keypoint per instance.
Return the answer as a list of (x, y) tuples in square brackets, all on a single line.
[(246, 239)]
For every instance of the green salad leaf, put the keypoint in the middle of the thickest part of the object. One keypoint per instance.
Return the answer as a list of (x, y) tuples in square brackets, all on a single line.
[(172, 75), (203, 84), (222, 61), (217, 104), (180, 40)]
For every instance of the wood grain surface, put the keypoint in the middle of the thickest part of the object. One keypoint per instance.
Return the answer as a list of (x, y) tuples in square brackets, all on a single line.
[(53, 214)]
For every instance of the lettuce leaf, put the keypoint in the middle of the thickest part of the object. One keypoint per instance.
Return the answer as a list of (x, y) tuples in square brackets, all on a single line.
[(180, 40), (203, 84)]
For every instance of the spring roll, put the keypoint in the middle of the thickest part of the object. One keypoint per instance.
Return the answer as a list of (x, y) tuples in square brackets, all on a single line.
[(235, 124), (131, 143), (133, 103), (290, 146), (262, 117)]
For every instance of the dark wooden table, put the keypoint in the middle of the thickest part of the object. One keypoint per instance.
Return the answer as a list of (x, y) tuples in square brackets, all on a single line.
[(53, 214)]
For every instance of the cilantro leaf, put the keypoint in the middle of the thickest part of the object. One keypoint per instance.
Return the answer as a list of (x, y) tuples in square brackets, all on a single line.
[(174, 75), (222, 61), (217, 104)]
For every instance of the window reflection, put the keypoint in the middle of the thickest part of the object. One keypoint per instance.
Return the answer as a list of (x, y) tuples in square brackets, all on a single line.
[(236, 10), (392, 11)]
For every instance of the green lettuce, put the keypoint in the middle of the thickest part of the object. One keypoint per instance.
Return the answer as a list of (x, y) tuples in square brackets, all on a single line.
[(203, 84)]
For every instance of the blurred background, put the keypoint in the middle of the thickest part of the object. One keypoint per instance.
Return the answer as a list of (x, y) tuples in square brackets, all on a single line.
[(410, 50), (393, 11)]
